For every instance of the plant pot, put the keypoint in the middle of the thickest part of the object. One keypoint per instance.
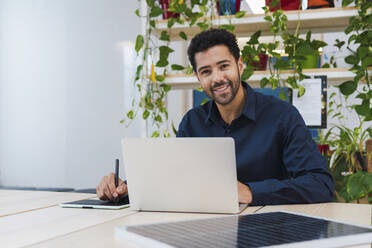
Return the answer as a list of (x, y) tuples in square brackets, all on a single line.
[(312, 61), (228, 7), (316, 4), (167, 14), (260, 65), (284, 5)]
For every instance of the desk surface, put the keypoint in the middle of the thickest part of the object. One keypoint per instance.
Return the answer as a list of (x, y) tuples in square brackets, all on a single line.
[(18, 201), (63, 227)]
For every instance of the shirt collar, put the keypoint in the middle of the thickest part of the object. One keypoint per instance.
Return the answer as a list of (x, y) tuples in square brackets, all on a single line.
[(249, 109)]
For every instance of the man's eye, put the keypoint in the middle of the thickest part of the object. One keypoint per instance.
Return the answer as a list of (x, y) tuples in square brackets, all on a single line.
[(205, 72), (223, 66)]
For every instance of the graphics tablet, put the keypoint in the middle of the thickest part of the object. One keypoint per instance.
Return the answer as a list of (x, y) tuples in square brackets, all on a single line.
[(98, 204)]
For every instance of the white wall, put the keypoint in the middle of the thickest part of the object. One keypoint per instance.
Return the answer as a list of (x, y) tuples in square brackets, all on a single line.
[(61, 90)]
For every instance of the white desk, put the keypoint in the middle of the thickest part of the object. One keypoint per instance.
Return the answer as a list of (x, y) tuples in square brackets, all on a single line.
[(18, 201), (347, 212), (63, 227), (103, 235)]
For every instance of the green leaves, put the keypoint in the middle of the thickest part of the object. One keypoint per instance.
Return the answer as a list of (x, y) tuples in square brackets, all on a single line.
[(139, 43), (356, 186), (155, 134), (138, 72), (137, 13), (145, 114), (177, 67), (155, 11), (352, 59), (305, 49), (160, 78), (345, 3), (254, 38), (171, 22), (264, 82), (281, 64), (247, 73), (367, 61), (301, 90), (227, 27), (339, 43), (205, 100), (166, 87), (240, 14), (163, 56), (164, 36), (203, 26), (130, 114), (348, 87), (183, 35), (282, 95), (364, 109)]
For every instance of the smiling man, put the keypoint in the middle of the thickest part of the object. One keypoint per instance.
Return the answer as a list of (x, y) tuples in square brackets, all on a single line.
[(277, 160)]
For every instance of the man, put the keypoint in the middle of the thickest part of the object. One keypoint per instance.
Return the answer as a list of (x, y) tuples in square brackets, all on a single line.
[(277, 161)]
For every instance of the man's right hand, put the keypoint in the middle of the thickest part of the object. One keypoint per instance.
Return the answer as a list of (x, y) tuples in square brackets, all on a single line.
[(106, 189)]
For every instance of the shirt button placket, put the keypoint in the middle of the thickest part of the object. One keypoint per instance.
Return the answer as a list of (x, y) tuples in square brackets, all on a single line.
[(227, 131)]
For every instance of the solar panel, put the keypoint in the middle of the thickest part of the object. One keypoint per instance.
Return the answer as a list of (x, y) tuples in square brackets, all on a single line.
[(253, 230)]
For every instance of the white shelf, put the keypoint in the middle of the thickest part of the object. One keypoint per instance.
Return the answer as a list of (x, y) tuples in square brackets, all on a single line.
[(335, 76), (318, 20)]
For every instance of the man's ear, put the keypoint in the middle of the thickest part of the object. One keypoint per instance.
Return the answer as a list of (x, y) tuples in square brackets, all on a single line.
[(240, 65)]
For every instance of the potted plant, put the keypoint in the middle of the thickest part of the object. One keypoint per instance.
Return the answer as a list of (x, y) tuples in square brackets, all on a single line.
[(349, 165), (296, 49), (307, 51), (254, 54), (165, 4)]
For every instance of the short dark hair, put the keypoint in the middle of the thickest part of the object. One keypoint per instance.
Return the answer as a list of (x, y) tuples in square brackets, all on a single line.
[(210, 38)]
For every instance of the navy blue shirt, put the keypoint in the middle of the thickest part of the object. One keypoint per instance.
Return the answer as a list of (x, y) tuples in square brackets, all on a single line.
[(275, 154)]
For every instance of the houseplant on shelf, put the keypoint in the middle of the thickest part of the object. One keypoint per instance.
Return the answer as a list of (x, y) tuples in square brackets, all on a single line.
[(346, 155), (352, 180), (296, 48)]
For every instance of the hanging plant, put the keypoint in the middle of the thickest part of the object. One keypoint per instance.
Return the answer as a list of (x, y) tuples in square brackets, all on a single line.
[(154, 52), (360, 28)]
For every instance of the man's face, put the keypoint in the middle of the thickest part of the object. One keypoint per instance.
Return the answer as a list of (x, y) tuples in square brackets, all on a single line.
[(219, 73)]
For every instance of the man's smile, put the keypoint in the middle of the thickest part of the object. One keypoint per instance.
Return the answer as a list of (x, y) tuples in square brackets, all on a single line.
[(221, 88)]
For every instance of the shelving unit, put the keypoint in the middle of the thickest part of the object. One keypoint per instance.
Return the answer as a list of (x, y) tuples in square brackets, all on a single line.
[(318, 20), (335, 76), (326, 20)]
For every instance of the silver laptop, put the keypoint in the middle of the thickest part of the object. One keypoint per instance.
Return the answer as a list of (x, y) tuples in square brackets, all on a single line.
[(181, 174)]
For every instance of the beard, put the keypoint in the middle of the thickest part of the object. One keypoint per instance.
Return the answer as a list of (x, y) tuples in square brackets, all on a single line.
[(224, 93)]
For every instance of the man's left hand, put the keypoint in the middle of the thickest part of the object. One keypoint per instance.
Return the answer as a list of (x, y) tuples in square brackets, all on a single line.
[(244, 193)]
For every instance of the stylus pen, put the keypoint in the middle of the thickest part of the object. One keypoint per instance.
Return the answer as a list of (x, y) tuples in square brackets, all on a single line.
[(116, 199), (117, 173)]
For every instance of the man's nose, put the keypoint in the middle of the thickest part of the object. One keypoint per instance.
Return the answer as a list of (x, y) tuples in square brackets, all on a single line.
[(217, 76)]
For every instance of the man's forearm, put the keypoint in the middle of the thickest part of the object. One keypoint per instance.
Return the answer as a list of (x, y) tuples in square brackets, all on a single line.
[(310, 188)]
